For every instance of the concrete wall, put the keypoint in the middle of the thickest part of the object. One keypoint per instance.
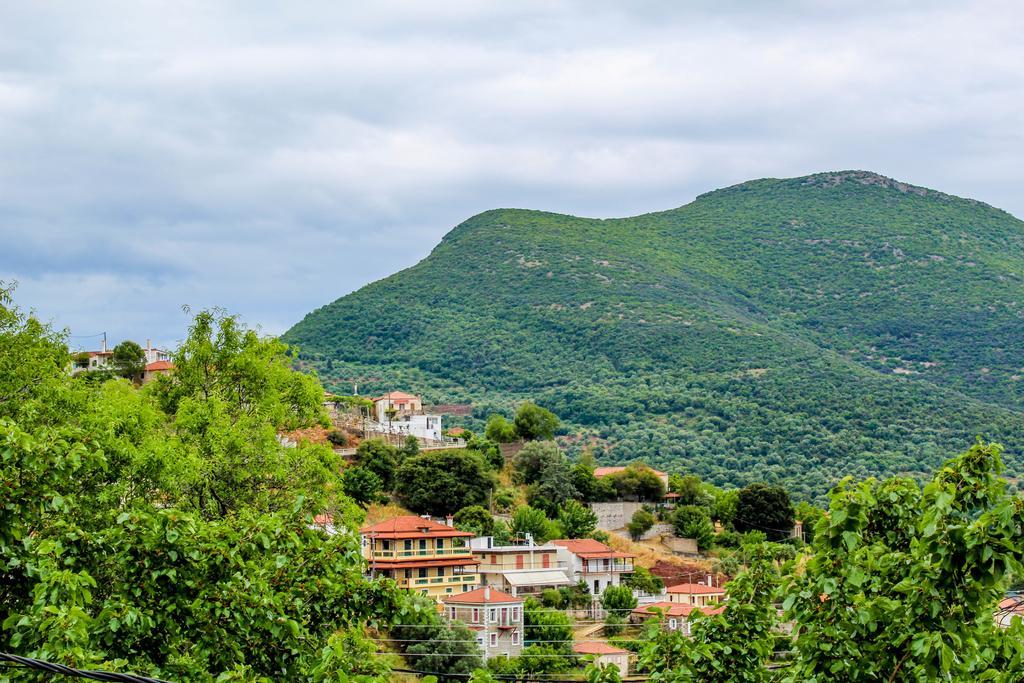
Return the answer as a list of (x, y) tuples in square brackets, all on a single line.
[(613, 516), (682, 546)]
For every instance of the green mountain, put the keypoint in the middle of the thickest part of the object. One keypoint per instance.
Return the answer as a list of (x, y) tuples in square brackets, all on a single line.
[(794, 330)]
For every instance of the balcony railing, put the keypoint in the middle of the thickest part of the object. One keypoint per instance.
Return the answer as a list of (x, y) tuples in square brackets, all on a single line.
[(605, 568), (428, 552), (464, 578)]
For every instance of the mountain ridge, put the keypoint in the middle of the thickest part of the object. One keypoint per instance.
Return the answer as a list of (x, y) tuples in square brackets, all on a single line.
[(639, 329)]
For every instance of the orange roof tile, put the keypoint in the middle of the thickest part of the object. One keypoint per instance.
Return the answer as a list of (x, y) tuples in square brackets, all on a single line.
[(674, 609), (412, 526), (479, 596), (594, 647), (695, 589), (158, 365), (395, 396), (588, 548)]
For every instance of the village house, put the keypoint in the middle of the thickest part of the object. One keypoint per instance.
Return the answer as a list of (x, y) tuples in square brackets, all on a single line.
[(494, 616), (593, 562), (520, 569), (399, 413), (600, 472), (155, 369), (88, 361), (674, 616), (696, 594), (604, 654), (422, 555)]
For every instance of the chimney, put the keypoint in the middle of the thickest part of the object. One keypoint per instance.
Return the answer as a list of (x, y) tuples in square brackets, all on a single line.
[(449, 520), (709, 580), (487, 593), (529, 539), (149, 344)]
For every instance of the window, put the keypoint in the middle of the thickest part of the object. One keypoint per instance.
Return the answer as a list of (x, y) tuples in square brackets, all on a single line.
[(408, 573), (448, 589), (492, 615), (440, 571), (423, 573), (597, 586), (476, 615), (465, 588), (385, 545), (515, 614), (423, 544), (480, 641), (451, 613), (408, 545), (515, 637), (494, 640), (439, 543), (673, 624)]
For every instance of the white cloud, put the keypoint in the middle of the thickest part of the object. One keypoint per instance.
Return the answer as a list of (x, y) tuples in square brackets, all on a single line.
[(269, 159)]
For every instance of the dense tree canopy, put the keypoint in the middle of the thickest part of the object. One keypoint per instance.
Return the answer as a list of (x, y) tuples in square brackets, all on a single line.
[(142, 529), (443, 482), (760, 507)]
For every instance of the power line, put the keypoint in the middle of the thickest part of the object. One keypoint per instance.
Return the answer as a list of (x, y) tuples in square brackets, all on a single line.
[(50, 667)]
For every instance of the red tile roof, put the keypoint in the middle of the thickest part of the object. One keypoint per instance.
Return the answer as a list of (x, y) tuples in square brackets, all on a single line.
[(482, 596), (158, 365), (695, 589), (605, 471), (589, 549), (594, 647), (412, 526), (395, 396), (674, 609)]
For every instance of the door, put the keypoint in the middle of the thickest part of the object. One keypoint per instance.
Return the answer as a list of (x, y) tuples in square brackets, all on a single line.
[(545, 561), (519, 561)]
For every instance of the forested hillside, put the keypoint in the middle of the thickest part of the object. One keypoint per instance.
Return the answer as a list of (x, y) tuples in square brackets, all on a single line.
[(792, 330)]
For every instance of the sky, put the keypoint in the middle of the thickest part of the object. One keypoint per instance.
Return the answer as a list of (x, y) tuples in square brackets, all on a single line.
[(268, 158)]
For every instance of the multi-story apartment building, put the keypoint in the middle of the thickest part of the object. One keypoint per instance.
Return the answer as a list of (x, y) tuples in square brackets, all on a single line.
[(421, 555), (593, 562), (520, 569), (495, 616)]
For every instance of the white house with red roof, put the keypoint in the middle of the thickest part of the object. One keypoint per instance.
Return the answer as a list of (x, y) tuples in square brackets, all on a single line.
[(496, 617), (697, 594), (604, 654), (422, 555), (674, 616), (402, 414), (594, 562)]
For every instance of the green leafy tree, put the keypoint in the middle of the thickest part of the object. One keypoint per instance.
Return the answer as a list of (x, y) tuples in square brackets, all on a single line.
[(903, 581), (488, 450), (534, 423), (554, 489), (410, 447), (528, 520), (546, 626), (643, 580), (443, 482), (731, 647), (691, 521), (500, 430), (586, 484), (432, 643), (361, 485), (577, 521), (809, 515), (129, 360), (617, 601), (534, 459), (381, 458), (640, 524), (637, 482), (761, 507), (725, 506), (475, 518)]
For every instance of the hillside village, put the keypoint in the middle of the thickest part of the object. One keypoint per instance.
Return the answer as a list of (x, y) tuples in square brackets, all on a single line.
[(607, 567)]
